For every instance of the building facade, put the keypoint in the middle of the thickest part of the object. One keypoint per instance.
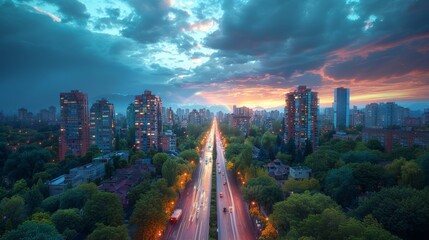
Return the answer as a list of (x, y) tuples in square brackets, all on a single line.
[(301, 117), (74, 131), (148, 121), (102, 125), (341, 108)]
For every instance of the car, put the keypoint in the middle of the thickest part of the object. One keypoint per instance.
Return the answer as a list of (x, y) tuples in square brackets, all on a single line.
[(230, 209), (224, 182), (221, 194)]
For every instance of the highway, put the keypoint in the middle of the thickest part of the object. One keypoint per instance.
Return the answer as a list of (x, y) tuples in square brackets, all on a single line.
[(195, 200), (234, 223)]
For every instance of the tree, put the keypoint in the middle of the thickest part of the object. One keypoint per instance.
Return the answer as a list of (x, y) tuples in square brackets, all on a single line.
[(412, 175), (368, 176), (103, 232), (375, 144), (268, 140), (51, 204), (341, 186), (103, 207), (402, 211), (31, 230), (67, 219), (12, 211), (308, 149), (393, 169), (297, 207), (298, 186), (135, 192), (291, 148), (264, 190), (169, 172), (190, 155), (149, 216), (321, 161), (362, 156), (423, 161), (77, 197), (158, 160), (41, 217), (33, 199)]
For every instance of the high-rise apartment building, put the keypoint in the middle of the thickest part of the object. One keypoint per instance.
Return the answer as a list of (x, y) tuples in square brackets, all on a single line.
[(102, 125), (148, 121), (301, 117), (74, 131), (341, 108), (131, 115)]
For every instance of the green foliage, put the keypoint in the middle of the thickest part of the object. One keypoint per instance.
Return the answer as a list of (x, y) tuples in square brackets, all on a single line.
[(233, 150), (375, 144), (333, 224), (268, 140), (341, 186), (169, 171), (368, 177), (67, 219), (12, 211), (321, 161), (423, 161), (102, 232), (264, 190), (297, 207), (41, 217), (135, 192), (103, 207), (33, 199), (31, 231), (51, 204), (298, 186), (26, 161), (402, 211), (149, 216), (159, 159), (412, 175), (77, 197), (190, 155), (362, 156)]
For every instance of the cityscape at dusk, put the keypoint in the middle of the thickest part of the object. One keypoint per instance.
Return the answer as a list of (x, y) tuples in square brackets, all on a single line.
[(214, 119), (249, 52)]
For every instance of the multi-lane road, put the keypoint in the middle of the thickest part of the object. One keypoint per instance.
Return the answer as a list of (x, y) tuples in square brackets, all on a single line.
[(195, 200), (234, 222)]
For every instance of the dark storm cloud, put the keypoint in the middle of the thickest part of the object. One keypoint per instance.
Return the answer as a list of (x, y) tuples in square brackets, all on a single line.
[(38, 62), (151, 22), (292, 37), (382, 64), (73, 10)]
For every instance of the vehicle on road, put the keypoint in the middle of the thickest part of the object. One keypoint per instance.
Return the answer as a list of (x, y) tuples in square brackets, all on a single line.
[(176, 215), (224, 209), (230, 209), (224, 182), (221, 194)]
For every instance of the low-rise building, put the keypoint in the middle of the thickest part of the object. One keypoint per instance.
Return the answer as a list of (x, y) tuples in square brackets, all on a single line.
[(125, 179), (299, 172), (77, 175), (277, 169)]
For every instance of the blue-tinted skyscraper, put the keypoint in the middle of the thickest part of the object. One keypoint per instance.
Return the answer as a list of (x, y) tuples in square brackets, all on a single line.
[(341, 108)]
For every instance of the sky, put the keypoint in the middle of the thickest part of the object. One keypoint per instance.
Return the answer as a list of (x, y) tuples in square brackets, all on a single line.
[(213, 52)]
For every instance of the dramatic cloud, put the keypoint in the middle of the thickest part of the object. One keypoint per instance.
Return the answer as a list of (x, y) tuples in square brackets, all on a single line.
[(219, 52)]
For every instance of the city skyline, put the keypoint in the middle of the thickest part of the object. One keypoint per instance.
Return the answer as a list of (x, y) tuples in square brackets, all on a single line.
[(248, 53)]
